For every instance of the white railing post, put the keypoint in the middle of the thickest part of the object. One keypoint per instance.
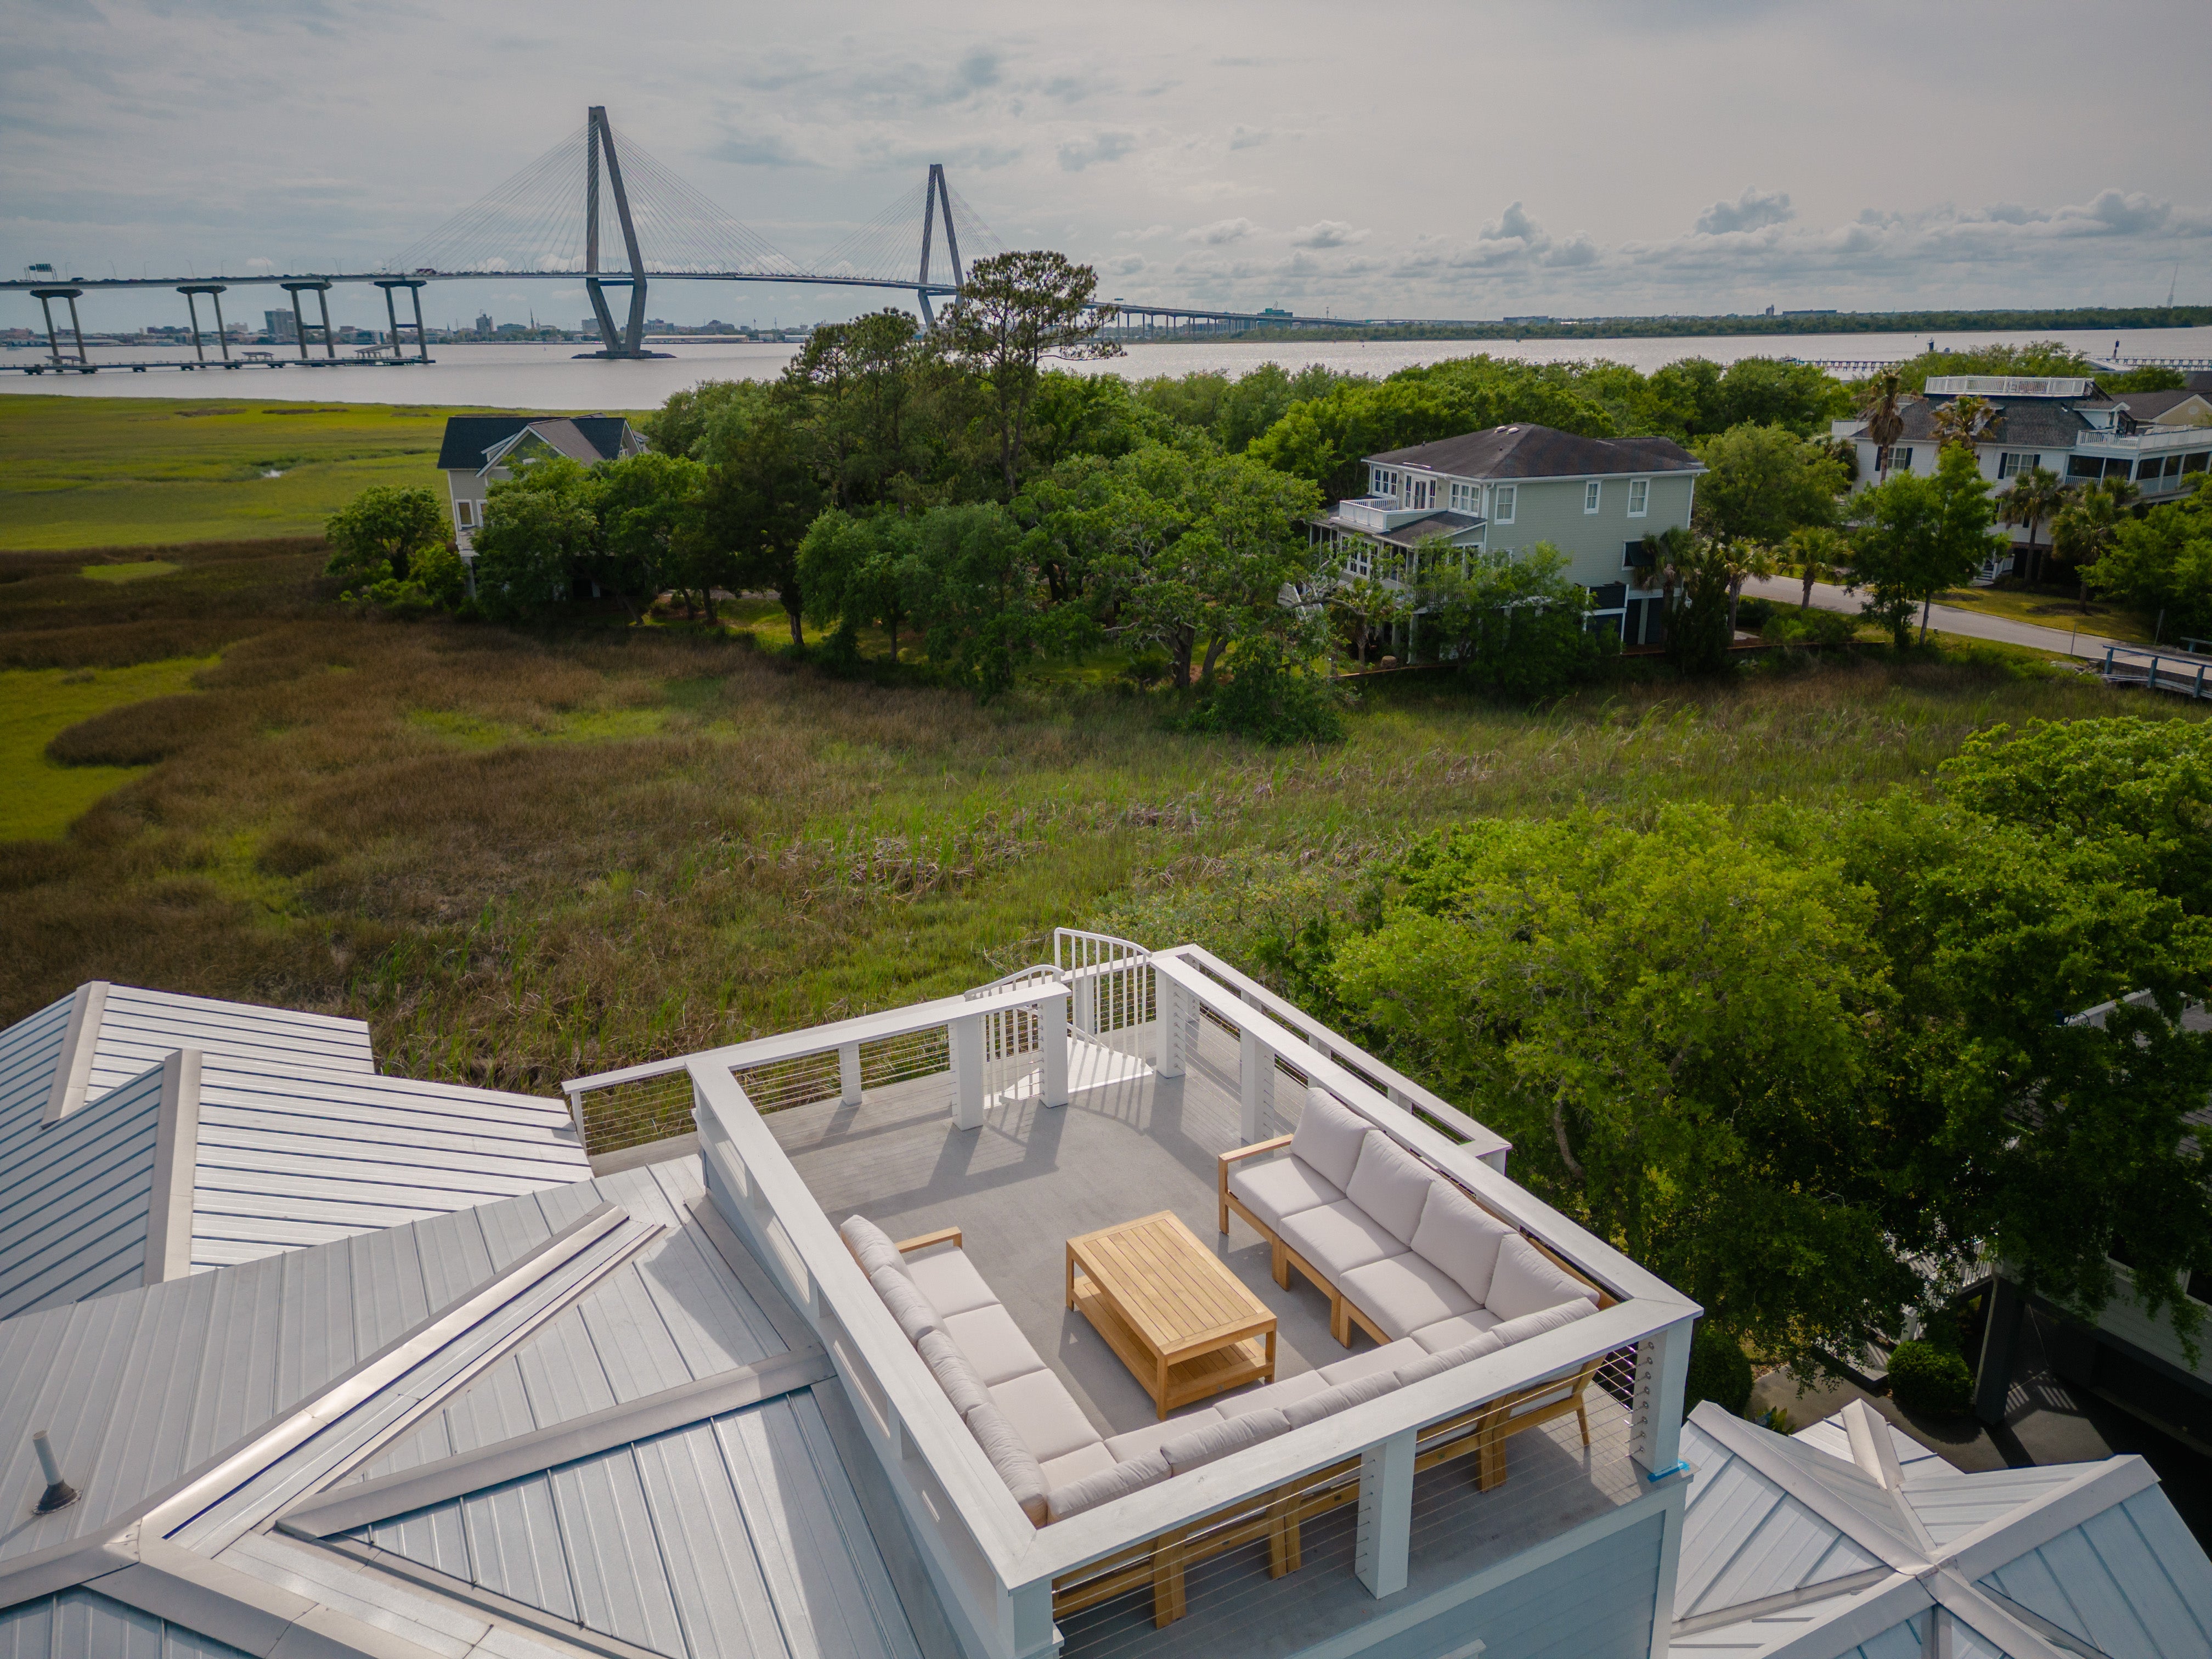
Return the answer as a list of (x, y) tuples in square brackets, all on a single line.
[(1172, 1038), (1385, 1515), (1255, 1073), (1662, 1369), (965, 1040), (1083, 999), (849, 1074), (1052, 1050)]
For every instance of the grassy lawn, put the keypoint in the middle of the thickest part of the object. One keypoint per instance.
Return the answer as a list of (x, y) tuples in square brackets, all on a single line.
[(39, 799), (2061, 611), (85, 472), (523, 857)]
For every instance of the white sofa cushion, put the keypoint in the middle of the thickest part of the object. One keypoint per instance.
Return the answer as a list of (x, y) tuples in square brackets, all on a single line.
[(1280, 1187), (1337, 1237), (1403, 1293), (1343, 1397), (994, 1345), (1045, 1415), (1444, 1359), (946, 1275), (1274, 1396), (905, 1302), (1391, 1185), (1139, 1442), (1528, 1281), (1371, 1362), (872, 1246), (1018, 1465), (1079, 1465), (1117, 1481), (1450, 1332), (1215, 1440), (1544, 1319), (962, 1386), (1330, 1136), (1457, 1234)]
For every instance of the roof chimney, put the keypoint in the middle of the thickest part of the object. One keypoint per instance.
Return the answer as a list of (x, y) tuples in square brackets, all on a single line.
[(59, 1494)]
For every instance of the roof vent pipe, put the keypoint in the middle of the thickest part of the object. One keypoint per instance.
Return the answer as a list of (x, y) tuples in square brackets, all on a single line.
[(59, 1493)]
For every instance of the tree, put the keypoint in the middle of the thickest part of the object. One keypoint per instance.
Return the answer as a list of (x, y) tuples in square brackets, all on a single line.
[(1762, 483), (2088, 527), (1693, 574), (1884, 424), (1919, 534), (973, 590), (760, 496), (1669, 1026), (1370, 608), (857, 384), (1015, 310), (376, 536), (539, 532), (1516, 625), (1818, 554), (2036, 495), (646, 506), (858, 572), (1963, 422), (1221, 577), (2162, 563)]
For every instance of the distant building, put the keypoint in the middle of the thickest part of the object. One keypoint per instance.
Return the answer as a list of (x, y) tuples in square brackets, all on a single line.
[(483, 322), (2065, 424), (1511, 487), (282, 326), (480, 450)]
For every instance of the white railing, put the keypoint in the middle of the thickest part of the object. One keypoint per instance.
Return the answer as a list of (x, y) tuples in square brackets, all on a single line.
[(2157, 438), (1109, 983)]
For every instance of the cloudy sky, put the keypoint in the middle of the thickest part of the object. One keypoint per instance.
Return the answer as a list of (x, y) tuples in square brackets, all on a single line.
[(1463, 160)]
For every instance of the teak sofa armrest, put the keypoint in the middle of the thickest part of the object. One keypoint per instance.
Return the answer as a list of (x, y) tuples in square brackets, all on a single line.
[(1253, 1150), (942, 1236)]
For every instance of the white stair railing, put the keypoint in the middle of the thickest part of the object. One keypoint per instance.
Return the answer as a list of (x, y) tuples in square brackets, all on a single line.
[(1109, 983)]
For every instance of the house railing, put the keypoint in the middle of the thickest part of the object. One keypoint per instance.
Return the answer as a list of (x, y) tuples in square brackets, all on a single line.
[(2156, 438)]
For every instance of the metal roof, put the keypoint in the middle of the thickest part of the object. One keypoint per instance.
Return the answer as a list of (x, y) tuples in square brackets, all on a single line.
[(737, 1538), (284, 1135), (1786, 1547), (140, 1387)]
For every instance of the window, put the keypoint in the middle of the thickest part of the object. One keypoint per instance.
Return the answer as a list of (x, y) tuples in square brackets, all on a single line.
[(466, 511), (1420, 492), (1591, 491), (1898, 459), (1466, 498), (1639, 497), (1502, 504), (2013, 462)]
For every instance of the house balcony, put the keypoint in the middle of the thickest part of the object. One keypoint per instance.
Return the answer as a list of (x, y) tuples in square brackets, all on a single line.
[(1080, 1095)]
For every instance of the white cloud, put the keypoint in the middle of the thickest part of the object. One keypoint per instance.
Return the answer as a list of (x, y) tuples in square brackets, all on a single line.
[(1329, 232), (1079, 154), (1247, 138), (260, 264), (1221, 232), (1755, 210)]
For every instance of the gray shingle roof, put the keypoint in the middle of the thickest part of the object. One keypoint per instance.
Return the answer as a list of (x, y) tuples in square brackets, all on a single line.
[(2025, 422), (1527, 451), (467, 436)]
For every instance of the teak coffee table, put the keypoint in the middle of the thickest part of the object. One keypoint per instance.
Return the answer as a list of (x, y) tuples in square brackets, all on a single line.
[(1184, 1324)]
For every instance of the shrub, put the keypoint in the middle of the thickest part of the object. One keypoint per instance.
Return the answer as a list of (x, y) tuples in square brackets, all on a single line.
[(137, 734), (1752, 615), (1929, 1380), (1719, 1371), (1811, 626), (1270, 702)]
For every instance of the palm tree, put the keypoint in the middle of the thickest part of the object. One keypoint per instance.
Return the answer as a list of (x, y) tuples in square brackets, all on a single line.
[(2036, 495), (2085, 530), (1885, 425), (1817, 551), (1963, 421)]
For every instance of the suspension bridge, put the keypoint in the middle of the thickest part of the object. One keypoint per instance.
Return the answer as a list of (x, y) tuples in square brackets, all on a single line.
[(599, 208)]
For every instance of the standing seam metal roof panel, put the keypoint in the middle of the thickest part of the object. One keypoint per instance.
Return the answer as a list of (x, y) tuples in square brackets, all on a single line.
[(2130, 1582), (73, 1216), (737, 1538)]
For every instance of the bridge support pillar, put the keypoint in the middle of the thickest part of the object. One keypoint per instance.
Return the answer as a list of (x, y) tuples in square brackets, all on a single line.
[(936, 198), (599, 138), (301, 326), (414, 287), (214, 291), (46, 297)]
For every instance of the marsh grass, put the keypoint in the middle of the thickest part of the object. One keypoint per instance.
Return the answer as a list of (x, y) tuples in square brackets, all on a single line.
[(525, 857)]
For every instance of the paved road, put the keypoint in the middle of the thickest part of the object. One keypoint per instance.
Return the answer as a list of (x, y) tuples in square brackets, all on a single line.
[(1944, 618)]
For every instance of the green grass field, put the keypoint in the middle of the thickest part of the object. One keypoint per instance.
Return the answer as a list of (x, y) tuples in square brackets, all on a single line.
[(37, 799), (87, 473)]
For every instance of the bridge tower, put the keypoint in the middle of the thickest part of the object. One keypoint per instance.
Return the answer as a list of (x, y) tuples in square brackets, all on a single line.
[(935, 199), (600, 142)]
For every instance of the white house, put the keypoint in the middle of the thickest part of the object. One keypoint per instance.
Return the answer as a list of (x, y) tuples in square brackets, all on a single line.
[(1114, 1308), (480, 450), (1511, 487), (2067, 425)]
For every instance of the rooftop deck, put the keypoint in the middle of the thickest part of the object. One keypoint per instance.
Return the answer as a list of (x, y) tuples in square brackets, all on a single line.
[(1133, 1144)]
